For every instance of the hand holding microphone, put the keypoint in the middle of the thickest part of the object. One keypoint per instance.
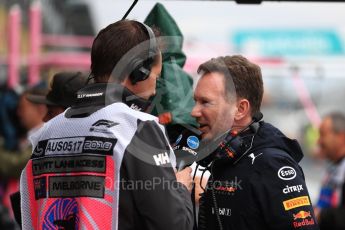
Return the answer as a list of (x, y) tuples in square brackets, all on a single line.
[(184, 177)]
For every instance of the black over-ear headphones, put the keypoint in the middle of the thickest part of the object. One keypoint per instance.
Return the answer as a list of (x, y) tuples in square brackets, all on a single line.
[(235, 144), (142, 66)]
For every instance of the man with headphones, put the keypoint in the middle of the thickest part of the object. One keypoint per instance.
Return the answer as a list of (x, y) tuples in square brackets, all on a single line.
[(255, 182), (104, 163)]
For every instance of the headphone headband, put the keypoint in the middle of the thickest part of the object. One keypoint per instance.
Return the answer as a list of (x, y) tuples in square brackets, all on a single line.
[(152, 42), (142, 66)]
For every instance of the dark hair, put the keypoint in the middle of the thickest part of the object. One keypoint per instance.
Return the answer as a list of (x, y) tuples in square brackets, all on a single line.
[(338, 122), (111, 44), (240, 73)]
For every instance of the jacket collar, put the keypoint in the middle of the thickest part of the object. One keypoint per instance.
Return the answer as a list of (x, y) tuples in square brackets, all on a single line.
[(96, 96)]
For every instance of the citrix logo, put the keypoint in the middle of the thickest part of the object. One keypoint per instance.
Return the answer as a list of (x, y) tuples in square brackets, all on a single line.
[(295, 188)]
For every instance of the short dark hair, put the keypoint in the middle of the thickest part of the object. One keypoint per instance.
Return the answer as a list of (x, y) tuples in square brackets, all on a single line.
[(240, 73), (111, 44), (338, 121)]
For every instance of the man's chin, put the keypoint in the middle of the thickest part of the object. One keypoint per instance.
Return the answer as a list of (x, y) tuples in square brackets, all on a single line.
[(207, 137)]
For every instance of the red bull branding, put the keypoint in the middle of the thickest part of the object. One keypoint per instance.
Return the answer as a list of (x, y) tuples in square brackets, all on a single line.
[(226, 189), (301, 215), (302, 218)]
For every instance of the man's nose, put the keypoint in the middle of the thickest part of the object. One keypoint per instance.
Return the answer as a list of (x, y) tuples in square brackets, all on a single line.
[(196, 112)]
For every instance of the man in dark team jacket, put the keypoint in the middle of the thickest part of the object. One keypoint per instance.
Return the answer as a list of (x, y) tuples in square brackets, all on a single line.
[(256, 182)]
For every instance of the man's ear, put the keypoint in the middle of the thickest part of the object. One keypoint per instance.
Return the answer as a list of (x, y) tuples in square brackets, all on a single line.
[(243, 109)]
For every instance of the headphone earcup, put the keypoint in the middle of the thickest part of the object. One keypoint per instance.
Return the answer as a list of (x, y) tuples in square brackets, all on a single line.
[(141, 70), (139, 74)]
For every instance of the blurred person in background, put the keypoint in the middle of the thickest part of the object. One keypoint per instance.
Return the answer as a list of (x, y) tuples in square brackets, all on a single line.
[(36, 107), (330, 207), (31, 117), (10, 128), (62, 93), (12, 162)]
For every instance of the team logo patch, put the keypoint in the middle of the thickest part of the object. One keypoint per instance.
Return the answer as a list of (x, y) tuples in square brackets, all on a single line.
[(229, 189), (62, 214), (253, 157), (301, 215), (135, 107), (296, 202), (293, 188), (301, 219), (102, 126), (287, 173), (193, 142), (161, 158)]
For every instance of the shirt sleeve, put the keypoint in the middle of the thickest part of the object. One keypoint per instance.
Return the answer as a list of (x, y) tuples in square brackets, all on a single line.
[(162, 202), (280, 190)]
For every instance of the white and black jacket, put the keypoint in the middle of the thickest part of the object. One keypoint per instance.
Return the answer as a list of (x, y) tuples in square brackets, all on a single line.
[(103, 165)]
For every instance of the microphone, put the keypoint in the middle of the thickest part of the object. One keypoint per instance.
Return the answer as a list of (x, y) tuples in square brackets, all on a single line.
[(257, 117), (186, 147), (254, 125)]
